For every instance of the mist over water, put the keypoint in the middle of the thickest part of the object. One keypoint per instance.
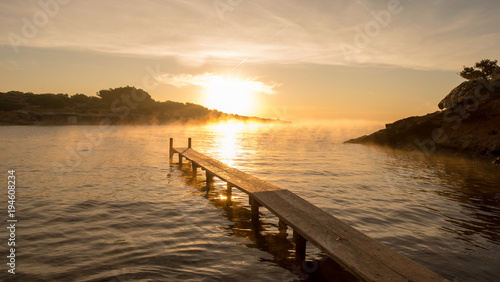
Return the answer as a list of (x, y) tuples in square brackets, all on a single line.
[(109, 206)]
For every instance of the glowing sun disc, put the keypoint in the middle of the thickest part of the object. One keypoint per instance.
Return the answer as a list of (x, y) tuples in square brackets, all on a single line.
[(230, 95)]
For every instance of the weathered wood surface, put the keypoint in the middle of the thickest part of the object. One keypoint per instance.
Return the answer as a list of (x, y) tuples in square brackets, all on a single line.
[(363, 256)]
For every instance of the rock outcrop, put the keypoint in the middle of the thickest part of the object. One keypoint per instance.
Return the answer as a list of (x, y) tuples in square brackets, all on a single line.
[(459, 94), (469, 123), (496, 75)]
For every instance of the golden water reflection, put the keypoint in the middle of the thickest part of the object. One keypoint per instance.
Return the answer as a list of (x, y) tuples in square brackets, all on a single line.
[(229, 139)]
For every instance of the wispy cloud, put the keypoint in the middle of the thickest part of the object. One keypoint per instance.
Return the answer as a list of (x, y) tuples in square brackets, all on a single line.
[(208, 79), (426, 34), (184, 79)]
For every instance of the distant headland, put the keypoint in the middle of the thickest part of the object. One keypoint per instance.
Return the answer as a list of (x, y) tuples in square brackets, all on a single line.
[(124, 105), (468, 120)]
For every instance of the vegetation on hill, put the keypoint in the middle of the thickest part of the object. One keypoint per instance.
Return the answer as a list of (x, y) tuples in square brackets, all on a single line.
[(124, 104), (483, 69)]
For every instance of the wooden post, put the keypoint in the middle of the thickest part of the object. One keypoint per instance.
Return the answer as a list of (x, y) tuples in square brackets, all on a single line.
[(209, 178), (300, 246), (180, 160), (189, 143), (282, 227), (195, 170), (229, 191), (171, 152), (229, 194), (255, 213)]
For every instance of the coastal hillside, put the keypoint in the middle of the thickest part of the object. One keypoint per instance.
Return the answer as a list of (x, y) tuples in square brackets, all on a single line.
[(124, 105), (469, 122)]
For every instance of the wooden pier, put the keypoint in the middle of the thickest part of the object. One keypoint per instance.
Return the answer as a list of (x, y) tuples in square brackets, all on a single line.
[(364, 257)]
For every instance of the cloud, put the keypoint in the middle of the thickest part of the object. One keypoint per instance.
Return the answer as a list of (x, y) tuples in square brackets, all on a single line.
[(184, 79), (425, 34), (209, 79), (260, 87)]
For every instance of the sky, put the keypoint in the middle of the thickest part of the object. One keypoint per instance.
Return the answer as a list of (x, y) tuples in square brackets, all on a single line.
[(317, 59)]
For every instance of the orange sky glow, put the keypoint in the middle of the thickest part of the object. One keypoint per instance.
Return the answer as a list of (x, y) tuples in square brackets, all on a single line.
[(359, 60)]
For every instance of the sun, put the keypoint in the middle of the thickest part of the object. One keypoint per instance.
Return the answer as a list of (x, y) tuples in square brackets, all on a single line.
[(230, 95)]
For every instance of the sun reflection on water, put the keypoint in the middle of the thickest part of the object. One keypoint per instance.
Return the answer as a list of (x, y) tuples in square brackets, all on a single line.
[(222, 197), (229, 140)]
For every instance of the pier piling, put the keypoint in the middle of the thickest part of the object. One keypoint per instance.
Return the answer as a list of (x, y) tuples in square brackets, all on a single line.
[(282, 227), (255, 213), (171, 151), (300, 246), (229, 194), (195, 170)]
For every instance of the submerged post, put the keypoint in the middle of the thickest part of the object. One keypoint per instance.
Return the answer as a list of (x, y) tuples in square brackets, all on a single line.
[(255, 213), (195, 167), (171, 152), (282, 227), (229, 194), (300, 246), (189, 142), (209, 178), (229, 190)]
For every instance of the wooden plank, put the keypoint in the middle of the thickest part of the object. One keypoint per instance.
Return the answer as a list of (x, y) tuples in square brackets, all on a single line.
[(363, 256)]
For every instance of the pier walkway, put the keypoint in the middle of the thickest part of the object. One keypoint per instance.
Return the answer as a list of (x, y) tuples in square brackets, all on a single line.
[(364, 257)]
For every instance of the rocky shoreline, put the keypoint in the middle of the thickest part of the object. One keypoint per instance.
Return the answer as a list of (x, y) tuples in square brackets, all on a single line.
[(469, 122)]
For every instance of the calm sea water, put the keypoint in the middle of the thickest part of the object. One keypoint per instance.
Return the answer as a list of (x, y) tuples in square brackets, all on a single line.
[(108, 205)]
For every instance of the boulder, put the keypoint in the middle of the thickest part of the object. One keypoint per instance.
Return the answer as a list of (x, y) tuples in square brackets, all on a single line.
[(468, 90), (458, 94)]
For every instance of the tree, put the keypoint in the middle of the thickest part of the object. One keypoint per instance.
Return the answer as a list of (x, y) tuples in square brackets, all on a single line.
[(49, 101), (124, 93), (482, 69)]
